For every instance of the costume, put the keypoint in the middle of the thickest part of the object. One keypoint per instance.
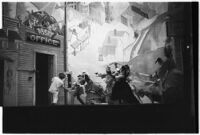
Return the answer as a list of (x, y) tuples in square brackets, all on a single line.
[(78, 92), (94, 92), (123, 93), (173, 87), (110, 81), (170, 88), (56, 84)]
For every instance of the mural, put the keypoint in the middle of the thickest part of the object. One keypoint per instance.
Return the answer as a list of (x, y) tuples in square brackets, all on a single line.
[(124, 37), (112, 40), (9, 80), (78, 37), (106, 33), (42, 23), (10, 83)]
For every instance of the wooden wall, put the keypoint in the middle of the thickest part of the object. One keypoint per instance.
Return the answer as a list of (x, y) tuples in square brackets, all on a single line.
[(19, 90), (26, 67)]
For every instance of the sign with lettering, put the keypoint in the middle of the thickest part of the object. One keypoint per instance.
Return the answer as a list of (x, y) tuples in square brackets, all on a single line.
[(42, 23), (43, 40), (44, 32)]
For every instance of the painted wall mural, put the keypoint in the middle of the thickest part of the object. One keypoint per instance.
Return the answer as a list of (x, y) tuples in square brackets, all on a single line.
[(105, 33), (9, 98), (41, 17), (78, 37), (9, 81), (42, 23), (112, 40)]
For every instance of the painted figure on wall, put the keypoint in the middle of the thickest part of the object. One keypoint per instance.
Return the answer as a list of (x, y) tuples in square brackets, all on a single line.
[(9, 79)]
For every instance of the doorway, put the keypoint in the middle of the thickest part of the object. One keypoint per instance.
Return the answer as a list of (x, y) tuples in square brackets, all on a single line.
[(44, 74), (1, 81)]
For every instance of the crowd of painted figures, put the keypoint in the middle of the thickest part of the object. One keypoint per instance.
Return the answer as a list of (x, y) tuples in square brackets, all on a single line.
[(165, 86)]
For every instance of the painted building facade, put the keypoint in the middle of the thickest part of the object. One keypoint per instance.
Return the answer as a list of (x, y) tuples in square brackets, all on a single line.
[(33, 54)]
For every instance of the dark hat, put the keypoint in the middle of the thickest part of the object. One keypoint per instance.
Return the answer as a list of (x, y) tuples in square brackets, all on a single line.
[(61, 75), (159, 60), (79, 76)]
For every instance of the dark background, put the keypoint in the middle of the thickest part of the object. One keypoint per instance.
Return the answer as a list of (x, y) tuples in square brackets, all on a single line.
[(99, 119)]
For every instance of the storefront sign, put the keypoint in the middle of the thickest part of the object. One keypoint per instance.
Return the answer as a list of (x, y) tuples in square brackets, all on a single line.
[(43, 40), (42, 23), (44, 32)]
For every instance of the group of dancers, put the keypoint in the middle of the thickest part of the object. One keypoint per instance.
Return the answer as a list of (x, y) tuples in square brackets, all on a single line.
[(166, 85)]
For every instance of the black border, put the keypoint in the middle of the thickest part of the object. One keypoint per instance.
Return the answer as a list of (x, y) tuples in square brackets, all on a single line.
[(98, 119), (109, 119), (195, 28)]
